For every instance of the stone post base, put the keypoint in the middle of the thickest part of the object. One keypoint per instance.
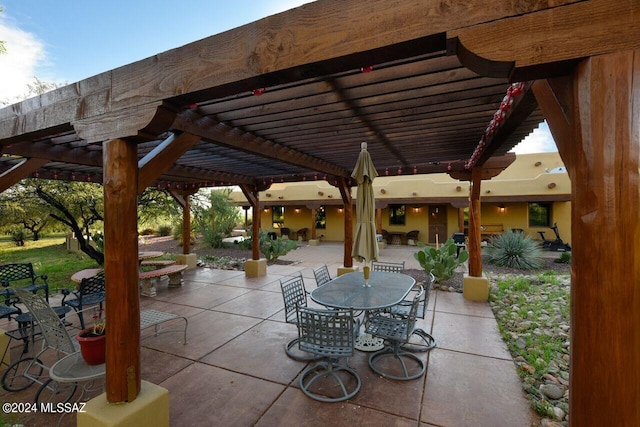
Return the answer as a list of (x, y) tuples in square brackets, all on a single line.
[(151, 408), (255, 267), (314, 242), (189, 260), (345, 270), (475, 288)]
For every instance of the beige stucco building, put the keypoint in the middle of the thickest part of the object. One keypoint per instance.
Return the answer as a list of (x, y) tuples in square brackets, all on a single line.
[(532, 194)]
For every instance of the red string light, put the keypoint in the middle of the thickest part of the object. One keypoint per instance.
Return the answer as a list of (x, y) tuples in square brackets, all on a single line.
[(258, 92)]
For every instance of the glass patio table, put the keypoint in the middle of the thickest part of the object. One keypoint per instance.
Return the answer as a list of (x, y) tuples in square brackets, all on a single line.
[(348, 291)]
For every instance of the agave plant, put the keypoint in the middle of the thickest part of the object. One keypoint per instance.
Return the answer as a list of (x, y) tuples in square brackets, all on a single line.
[(441, 262), (514, 250)]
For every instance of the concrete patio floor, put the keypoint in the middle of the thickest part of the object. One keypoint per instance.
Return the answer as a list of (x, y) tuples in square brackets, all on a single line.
[(234, 372)]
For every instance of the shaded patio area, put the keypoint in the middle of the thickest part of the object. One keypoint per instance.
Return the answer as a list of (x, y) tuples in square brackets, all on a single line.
[(234, 371)]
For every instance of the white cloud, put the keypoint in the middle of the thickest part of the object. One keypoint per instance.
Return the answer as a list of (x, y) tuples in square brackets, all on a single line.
[(539, 141), (18, 67)]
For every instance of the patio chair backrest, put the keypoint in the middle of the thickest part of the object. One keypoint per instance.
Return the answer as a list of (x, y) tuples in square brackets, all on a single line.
[(53, 330), (10, 273), (322, 275), (92, 285), (327, 333), (294, 295), (391, 267), (16, 275)]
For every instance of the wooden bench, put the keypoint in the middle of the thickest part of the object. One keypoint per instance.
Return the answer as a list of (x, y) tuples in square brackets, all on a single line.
[(148, 278), (157, 263)]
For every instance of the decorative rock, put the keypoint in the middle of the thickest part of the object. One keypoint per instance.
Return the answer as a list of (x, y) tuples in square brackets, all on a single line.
[(552, 391), (528, 368)]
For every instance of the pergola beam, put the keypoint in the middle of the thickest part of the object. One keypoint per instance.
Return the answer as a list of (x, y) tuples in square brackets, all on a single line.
[(221, 134)]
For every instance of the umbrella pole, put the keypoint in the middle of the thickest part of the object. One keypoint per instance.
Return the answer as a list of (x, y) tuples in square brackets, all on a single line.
[(367, 273)]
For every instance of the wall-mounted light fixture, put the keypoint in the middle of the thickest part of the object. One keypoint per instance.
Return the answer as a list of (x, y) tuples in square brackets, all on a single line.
[(502, 208), (266, 210), (416, 209), (296, 210), (383, 191), (458, 188), (340, 210)]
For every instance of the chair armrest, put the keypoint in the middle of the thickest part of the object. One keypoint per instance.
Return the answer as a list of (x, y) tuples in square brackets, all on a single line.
[(66, 292)]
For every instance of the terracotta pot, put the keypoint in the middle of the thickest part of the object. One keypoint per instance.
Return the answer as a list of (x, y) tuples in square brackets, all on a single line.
[(92, 347)]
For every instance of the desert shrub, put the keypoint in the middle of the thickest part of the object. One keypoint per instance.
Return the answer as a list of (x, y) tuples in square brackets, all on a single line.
[(564, 258), (147, 232), (442, 262), (164, 230), (271, 248), (514, 250)]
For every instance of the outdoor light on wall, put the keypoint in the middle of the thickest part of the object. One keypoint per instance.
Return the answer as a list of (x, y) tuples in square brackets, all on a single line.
[(502, 208), (340, 210), (296, 210), (266, 210), (416, 209)]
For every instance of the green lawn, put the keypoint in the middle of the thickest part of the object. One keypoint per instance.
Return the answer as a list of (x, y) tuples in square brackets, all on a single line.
[(49, 256)]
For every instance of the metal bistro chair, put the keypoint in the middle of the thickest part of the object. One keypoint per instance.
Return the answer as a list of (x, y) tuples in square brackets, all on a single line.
[(329, 334), (396, 331), (294, 295), (29, 369), (391, 267), (322, 275), (425, 341), (22, 276), (91, 291)]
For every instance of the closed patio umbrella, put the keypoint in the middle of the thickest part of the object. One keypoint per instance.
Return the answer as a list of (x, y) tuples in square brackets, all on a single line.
[(365, 245)]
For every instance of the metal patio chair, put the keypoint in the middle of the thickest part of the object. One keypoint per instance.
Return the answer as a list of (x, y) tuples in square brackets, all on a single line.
[(294, 295), (329, 334), (391, 267), (91, 291), (29, 369), (420, 340), (322, 275), (22, 275), (392, 361)]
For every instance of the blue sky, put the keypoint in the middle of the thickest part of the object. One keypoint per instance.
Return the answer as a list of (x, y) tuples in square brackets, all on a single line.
[(65, 41)]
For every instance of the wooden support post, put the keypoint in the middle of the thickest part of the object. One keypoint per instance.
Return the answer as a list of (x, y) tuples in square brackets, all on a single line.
[(186, 225), (252, 195), (378, 220), (313, 223), (475, 254), (461, 220), (121, 271), (599, 141), (345, 193)]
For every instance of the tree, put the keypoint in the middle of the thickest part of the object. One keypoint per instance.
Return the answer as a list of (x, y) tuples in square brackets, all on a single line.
[(79, 205), (215, 217), (20, 206)]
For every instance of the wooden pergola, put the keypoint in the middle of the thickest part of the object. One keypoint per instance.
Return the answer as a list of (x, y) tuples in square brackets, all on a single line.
[(431, 86)]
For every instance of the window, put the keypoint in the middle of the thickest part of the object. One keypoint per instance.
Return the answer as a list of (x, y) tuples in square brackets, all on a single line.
[(396, 214), (321, 218), (539, 214), (277, 215)]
